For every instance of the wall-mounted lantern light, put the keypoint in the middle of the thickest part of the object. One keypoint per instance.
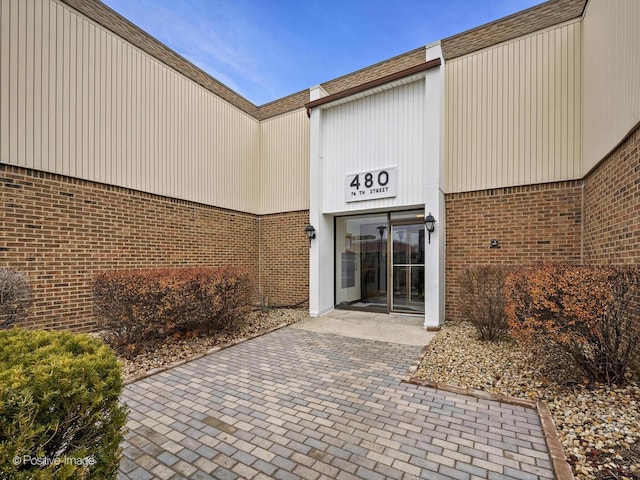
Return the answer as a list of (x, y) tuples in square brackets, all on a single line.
[(311, 233), (430, 224)]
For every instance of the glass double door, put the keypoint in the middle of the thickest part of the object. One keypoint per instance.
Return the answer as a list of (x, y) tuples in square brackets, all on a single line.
[(379, 262)]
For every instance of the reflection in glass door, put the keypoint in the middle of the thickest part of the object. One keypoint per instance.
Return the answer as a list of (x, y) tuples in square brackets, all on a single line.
[(361, 262), (408, 268)]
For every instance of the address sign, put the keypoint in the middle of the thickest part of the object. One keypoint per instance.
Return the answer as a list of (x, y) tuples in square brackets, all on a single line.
[(370, 185)]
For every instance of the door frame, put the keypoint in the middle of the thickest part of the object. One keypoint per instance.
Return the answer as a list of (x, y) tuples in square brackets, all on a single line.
[(390, 265), (389, 261)]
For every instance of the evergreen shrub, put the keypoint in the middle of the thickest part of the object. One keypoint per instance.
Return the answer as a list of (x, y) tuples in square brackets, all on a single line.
[(60, 415)]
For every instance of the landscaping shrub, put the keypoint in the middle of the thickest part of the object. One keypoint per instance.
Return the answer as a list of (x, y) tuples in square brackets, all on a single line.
[(59, 411), (15, 296), (589, 312), (483, 300), (138, 308)]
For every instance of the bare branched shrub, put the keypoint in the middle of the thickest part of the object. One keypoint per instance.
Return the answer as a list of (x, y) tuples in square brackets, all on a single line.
[(15, 296), (483, 300), (140, 308), (592, 313)]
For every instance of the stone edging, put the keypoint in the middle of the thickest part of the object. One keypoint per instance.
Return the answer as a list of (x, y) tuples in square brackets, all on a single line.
[(561, 466), (197, 356)]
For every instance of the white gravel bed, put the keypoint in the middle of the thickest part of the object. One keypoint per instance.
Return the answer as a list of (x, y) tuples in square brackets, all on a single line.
[(599, 426), (175, 350)]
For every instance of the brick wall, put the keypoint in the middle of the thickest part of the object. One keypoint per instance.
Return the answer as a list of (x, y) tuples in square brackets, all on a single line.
[(284, 257), (62, 230), (612, 206), (612, 209), (532, 223)]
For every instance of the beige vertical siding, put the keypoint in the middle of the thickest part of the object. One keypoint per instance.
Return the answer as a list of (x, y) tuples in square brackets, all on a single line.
[(513, 112), (611, 75), (79, 101), (284, 166)]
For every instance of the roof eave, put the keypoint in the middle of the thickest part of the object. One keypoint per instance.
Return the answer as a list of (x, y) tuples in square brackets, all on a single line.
[(436, 62)]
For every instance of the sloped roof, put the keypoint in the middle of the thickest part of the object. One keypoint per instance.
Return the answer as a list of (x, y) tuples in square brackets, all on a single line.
[(116, 23), (522, 23), (517, 25)]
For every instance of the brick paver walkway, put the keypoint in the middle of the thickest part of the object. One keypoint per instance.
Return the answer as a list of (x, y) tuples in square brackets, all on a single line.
[(298, 404)]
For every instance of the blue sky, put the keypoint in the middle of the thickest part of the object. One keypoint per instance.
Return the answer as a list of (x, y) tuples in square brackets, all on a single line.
[(267, 49)]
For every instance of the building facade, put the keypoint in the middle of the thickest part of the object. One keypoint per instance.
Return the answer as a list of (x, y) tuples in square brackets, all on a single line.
[(519, 138)]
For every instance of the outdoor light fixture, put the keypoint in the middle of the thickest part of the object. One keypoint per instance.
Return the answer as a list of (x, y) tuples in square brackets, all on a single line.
[(430, 224), (311, 233)]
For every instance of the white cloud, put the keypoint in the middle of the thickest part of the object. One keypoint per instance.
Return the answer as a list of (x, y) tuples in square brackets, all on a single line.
[(219, 37)]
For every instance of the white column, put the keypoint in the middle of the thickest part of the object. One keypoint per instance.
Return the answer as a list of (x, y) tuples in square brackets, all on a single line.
[(433, 194), (321, 251)]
